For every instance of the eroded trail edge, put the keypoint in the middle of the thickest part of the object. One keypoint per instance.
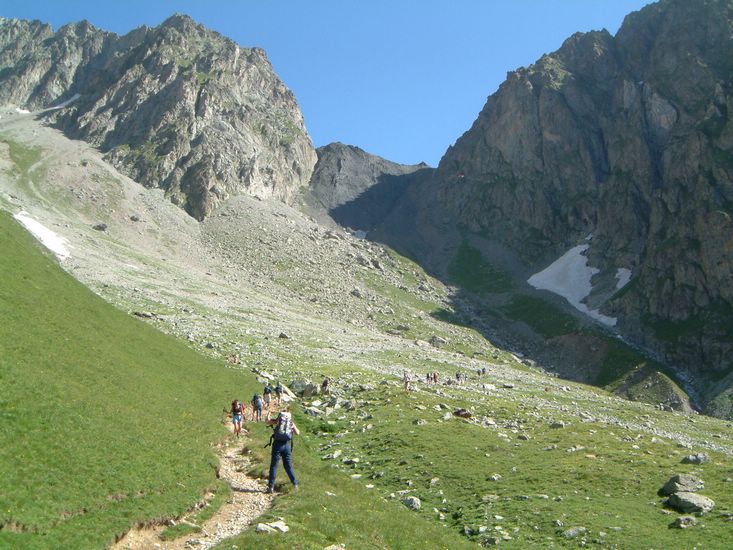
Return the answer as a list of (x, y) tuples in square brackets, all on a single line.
[(247, 502)]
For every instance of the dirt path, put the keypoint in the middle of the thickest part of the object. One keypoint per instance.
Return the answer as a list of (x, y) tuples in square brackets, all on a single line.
[(248, 502)]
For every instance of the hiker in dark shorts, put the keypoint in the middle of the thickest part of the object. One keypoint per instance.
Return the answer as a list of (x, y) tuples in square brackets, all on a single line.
[(257, 408), (237, 413), (282, 447)]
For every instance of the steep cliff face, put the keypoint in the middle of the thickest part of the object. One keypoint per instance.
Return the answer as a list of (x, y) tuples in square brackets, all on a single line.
[(627, 139), (357, 188), (178, 106)]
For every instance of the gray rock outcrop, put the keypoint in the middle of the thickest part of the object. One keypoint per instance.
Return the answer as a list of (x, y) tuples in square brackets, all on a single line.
[(345, 173), (690, 502), (686, 483)]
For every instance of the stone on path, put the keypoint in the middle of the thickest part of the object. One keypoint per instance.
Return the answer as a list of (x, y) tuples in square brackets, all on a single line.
[(273, 527)]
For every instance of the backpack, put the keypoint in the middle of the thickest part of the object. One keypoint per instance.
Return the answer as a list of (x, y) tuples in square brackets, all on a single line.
[(284, 427), (257, 401), (268, 389)]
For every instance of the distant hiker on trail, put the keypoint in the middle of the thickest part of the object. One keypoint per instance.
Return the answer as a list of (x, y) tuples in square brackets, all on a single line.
[(257, 408), (282, 446), (324, 386), (267, 394), (435, 378), (237, 413), (407, 379), (279, 392)]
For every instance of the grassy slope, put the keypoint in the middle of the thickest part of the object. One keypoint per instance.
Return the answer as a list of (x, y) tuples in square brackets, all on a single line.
[(331, 508), (105, 421), (591, 474)]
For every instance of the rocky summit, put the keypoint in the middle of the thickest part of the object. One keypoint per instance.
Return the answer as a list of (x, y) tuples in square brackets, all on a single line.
[(616, 150), (178, 106)]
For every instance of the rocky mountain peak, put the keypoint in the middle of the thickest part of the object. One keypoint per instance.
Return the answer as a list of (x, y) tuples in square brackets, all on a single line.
[(177, 106)]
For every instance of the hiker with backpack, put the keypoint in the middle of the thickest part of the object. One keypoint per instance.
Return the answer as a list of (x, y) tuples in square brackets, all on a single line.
[(279, 392), (237, 414), (267, 393), (282, 447), (257, 408)]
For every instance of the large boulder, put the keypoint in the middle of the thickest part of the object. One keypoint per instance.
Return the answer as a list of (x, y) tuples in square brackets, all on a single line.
[(690, 502), (304, 388), (685, 483)]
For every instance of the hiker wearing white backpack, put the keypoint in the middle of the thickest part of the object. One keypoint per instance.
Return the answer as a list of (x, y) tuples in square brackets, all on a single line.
[(282, 446)]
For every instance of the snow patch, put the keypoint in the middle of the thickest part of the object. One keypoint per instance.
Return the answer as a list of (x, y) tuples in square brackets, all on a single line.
[(22, 111), (569, 276), (49, 239), (65, 103), (623, 276)]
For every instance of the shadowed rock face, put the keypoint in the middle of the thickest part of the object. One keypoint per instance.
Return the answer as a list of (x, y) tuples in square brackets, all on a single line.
[(627, 138), (357, 188), (178, 106), (624, 138)]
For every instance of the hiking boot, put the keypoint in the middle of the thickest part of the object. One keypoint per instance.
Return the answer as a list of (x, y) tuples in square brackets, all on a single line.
[(269, 490), (296, 487)]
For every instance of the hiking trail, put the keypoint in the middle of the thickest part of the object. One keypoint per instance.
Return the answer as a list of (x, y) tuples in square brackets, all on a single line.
[(248, 501)]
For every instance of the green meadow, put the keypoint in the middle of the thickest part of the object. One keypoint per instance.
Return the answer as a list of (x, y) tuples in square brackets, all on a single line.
[(106, 422)]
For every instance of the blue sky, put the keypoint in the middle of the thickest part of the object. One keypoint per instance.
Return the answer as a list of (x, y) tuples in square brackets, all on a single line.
[(402, 79)]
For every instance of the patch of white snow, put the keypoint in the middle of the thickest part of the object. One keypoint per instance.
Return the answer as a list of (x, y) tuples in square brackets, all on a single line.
[(49, 239), (22, 111), (64, 103), (623, 276), (569, 276)]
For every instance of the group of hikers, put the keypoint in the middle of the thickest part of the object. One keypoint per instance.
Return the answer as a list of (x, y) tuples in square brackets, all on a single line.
[(432, 378), (257, 404), (283, 429)]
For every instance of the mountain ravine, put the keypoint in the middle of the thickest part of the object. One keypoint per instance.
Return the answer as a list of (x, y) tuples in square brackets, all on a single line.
[(621, 146)]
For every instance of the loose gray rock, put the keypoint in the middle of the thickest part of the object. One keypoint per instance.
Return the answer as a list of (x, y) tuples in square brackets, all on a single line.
[(437, 341), (690, 502), (574, 532), (685, 483), (298, 386), (413, 503), (697, 458), (684, 522), (313, 411)]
